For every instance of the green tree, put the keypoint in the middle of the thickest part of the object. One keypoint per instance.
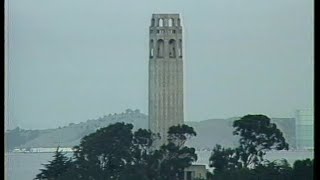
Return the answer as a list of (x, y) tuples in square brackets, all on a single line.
[(116, 152), (105, 153), (209, 175), (257, 136), (303, 170), (180, 134), (275, 170), (58, 166), (224, 159), (175, 156), (143, 157)]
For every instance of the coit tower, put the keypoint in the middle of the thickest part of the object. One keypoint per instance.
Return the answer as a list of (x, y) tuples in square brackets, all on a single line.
[(165, 74)]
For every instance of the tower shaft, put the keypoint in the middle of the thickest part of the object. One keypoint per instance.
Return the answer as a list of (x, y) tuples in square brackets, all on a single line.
[(165, 74)]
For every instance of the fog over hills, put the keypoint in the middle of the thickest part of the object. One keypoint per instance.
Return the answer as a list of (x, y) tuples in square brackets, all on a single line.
[(209, 132)]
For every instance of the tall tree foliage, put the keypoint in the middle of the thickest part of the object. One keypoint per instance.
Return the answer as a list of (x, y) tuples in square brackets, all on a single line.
[(55, 168), (245, 162), (276, 170), (257, 136), (224, 159), (303, 170), (106, 152), (175, 156), (116, 152), (180, 134)]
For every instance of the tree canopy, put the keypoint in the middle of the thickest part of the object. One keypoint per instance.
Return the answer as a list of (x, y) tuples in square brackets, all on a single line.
[(55, 168), (246, 161), (257, 136), (224, 159), (303, 169), (175, 156), (116, 152)]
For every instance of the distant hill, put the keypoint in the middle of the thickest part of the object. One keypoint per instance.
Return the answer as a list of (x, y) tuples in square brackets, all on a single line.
[(209, 132), (70, 135), (287, 126), (219, 131)]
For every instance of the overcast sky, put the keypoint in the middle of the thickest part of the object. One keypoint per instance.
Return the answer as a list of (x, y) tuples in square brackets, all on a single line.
[(74, 60)]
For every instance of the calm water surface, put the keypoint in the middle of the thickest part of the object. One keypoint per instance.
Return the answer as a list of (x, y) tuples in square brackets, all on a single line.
[(25, 166)]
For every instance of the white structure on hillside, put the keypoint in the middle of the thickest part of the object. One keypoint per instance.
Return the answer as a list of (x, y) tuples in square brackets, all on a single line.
[(195, 171)]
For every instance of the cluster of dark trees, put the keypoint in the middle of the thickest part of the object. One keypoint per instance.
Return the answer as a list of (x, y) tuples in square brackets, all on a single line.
[(117, 152), (246, 162)]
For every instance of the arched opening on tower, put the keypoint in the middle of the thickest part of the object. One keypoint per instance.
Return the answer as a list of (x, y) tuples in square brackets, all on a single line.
[(152, 22), (172, 48), (160, 48), (180, 48), (151, 49), (178, 24), (170, 22), (160, 22)]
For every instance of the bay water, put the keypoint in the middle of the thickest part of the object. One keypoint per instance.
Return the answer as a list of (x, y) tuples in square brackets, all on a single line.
[(25, 166)]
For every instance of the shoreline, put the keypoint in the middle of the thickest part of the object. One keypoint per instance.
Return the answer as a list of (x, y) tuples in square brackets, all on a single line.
[(69, 150)]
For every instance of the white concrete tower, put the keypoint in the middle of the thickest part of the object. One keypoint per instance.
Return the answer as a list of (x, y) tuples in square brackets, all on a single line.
[(165, 74)]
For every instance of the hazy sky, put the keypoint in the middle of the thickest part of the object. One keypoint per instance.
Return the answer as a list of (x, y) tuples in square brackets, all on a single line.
[(74, 60)]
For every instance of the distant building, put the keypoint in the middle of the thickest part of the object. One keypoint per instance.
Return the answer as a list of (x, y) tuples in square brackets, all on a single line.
[(304, 129), (165, 74), (195, 171)]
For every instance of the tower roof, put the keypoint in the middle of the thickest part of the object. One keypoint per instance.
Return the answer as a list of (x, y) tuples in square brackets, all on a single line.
[(162, 15)]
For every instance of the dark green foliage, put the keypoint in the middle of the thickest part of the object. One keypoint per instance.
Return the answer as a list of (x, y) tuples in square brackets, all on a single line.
[(134, 172), (235, 174), (224, 159), (106, 152), (175, 159), (199, 179), (276, 170), (176, 156), (257, 136), (209, 175), (180, 134), (303, 170), (58, 166), (169, 161), (269, 171), (116, 152)]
